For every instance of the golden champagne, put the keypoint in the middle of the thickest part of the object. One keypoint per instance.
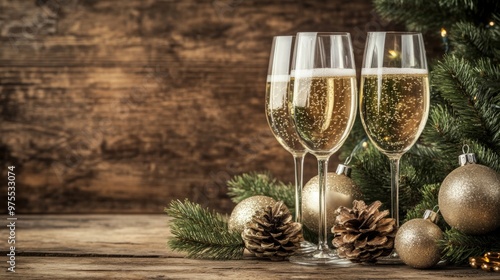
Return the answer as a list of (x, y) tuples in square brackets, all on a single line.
[(324, 108), (278, 114), (394, 107)]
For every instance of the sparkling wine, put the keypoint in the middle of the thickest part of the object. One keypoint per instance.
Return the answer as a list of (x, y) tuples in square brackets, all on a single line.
[(278, 114), (324, 107), (394, 106)]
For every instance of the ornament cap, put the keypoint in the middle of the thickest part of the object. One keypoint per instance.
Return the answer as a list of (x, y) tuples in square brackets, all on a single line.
[(431, 216), (344, 170), (467, 158)]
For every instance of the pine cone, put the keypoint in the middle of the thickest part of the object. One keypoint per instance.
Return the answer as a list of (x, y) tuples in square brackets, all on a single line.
[(362, 234), (272, 234)]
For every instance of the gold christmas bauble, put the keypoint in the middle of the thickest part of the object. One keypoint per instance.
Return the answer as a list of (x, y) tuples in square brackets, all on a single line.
[(243, 211), (340, 191), (469, 199), (416, 243)]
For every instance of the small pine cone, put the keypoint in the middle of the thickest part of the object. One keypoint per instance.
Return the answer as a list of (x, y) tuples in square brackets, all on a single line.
[(272, 234), (362, 234)]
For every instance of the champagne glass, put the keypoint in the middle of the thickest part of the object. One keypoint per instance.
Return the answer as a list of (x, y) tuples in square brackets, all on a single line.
[(394, 98), (279, 119), (323, 107)]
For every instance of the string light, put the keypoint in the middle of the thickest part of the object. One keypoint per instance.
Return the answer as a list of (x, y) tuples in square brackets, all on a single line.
[(443, 32), (393, 54), (444, 36), (492, 23)]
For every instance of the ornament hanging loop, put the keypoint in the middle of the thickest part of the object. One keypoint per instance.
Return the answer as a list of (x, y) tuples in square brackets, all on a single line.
[(343, 169), (466, 157), (348, 160), (431, 216), (465, 149)]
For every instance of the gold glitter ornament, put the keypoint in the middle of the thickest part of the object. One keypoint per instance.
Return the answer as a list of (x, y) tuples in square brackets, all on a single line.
[(340, 191), (469, 197), (417, 241), (243, 211)]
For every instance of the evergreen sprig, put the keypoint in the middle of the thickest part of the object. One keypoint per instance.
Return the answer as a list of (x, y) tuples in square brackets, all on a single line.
[(458, 247), (474, 41), (457, 81), (202, 234), (254, 183), (404, 12), (424, 15)]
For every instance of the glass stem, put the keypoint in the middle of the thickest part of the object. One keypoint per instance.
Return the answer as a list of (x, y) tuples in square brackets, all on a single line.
[(395, 189), (299, 181), (322, 233)]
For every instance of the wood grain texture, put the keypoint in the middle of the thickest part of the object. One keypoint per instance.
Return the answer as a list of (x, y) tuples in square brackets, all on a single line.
[(121, 106), (133, 247)]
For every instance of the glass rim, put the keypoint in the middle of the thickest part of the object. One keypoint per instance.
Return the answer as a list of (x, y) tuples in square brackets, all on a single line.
[(396, 32), (326, 33), (283, 36)]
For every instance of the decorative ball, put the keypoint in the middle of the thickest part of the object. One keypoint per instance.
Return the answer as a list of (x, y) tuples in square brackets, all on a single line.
[(341, 191), (416, 243), (469, 199), (243, 211)]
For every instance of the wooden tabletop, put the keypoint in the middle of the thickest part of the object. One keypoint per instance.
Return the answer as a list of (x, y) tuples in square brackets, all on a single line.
[(134, 247)]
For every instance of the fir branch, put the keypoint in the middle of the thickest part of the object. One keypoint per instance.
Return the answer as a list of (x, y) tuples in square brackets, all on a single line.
[(405, 12), (371, 172), (488, 100), (202, 234), (423, 15), (473, 41), (458, 247), (484, 155), (251, 184), (466, 4), (442, 128), (310, 235), (456, 80), (429, 194)]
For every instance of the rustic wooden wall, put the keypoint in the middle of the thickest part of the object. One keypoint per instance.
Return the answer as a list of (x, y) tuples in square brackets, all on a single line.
[(121, 106)]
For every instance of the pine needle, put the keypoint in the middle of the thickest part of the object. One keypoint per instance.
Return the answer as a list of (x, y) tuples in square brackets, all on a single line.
[(458, 247), (202, 234), (251, 184)]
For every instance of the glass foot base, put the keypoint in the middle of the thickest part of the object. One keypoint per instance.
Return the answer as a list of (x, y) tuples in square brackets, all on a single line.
[(306, 247), (321, 257)]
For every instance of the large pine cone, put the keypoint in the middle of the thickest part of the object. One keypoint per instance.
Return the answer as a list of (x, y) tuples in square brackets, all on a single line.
[(272, 234), (362, 234)]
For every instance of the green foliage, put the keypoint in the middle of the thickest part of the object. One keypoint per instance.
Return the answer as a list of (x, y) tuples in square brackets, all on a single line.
[(458, 247), (404, 12), (371, 173), (250, 184), (202, 234), (424, 15), (310, 235), (474, 41)]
